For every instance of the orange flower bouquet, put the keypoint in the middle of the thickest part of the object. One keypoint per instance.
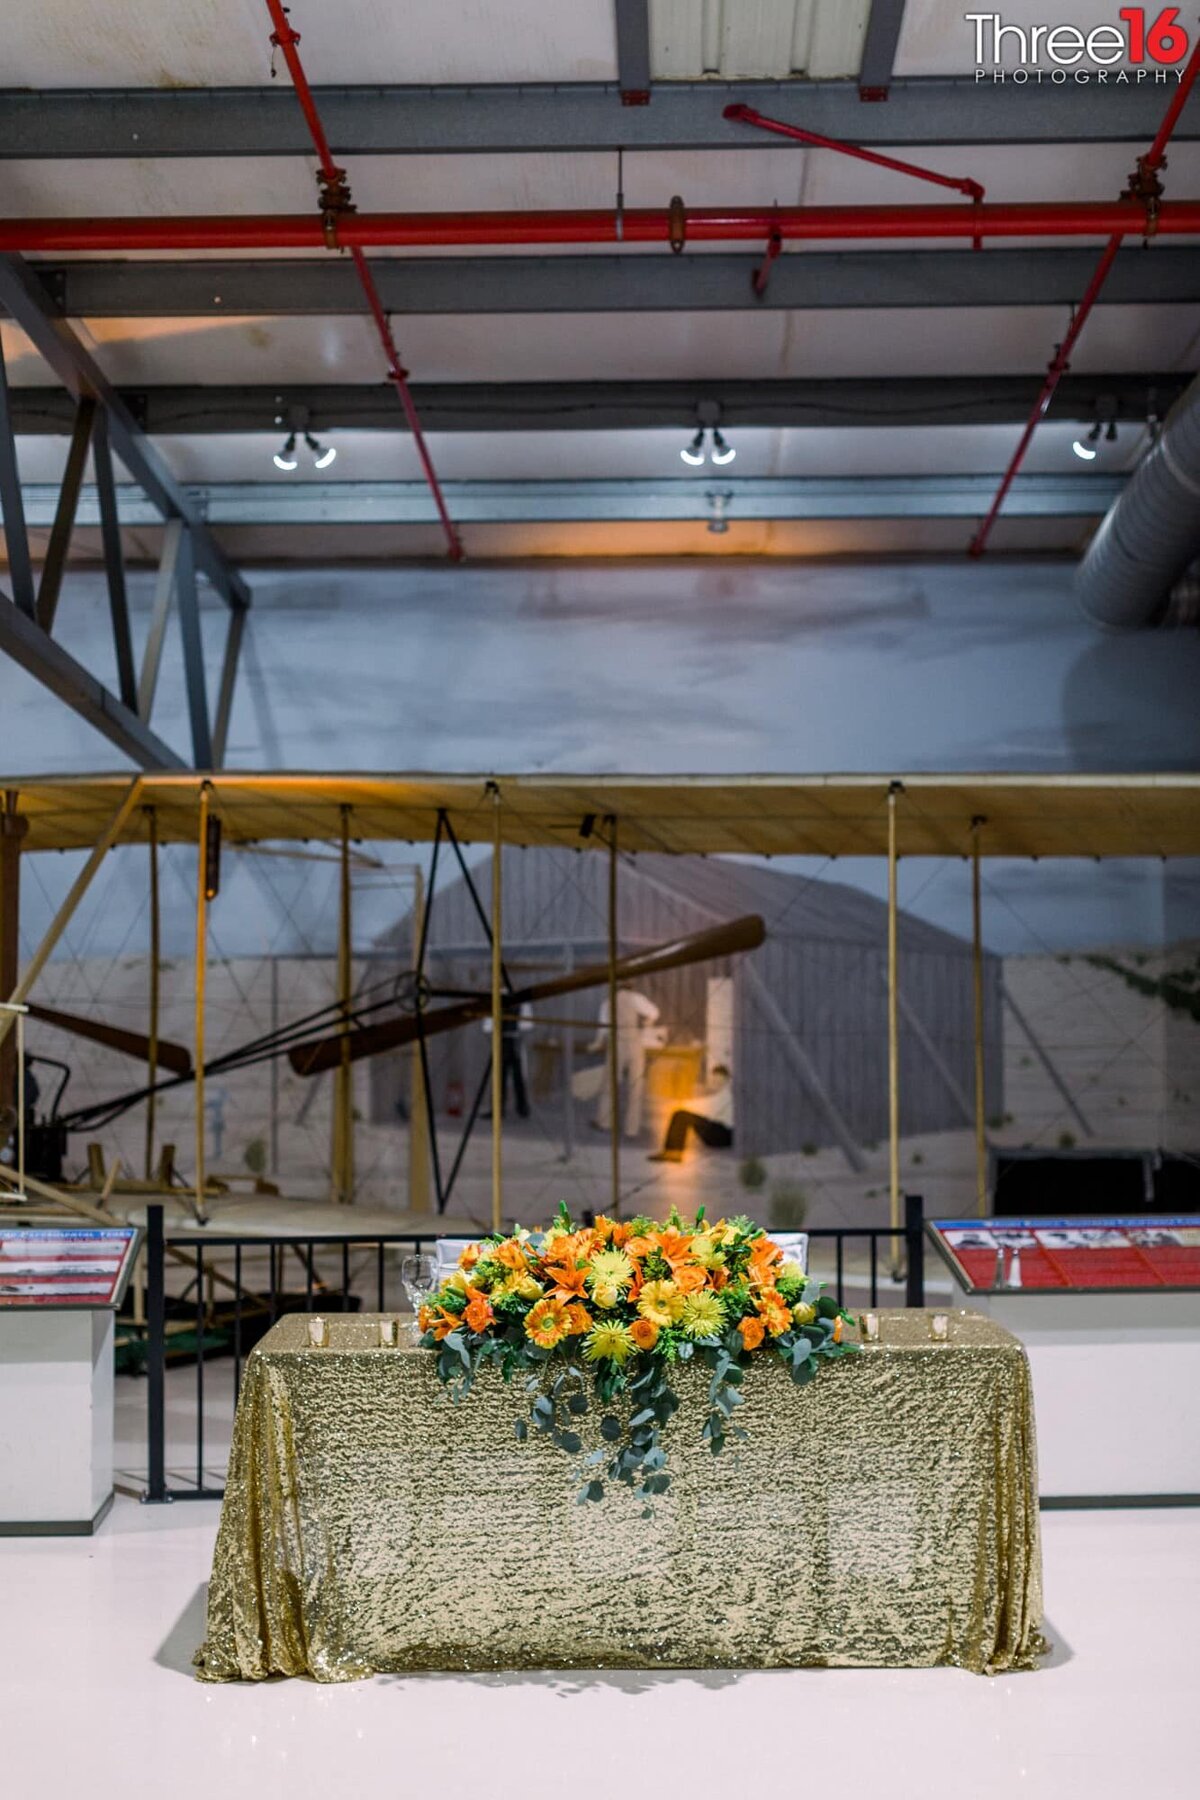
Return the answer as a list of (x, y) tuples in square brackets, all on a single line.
[(623, 1303)]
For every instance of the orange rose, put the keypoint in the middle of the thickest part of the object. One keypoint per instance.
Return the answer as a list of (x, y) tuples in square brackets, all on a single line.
[(690, 1278), (511, 1255), (579, 1319), (764, 1256), (638, 1247), (644, 1333), (753, 1331), (479, 1314)]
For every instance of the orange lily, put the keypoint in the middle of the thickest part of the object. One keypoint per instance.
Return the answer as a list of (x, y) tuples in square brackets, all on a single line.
[(674, 1246), (569, 1281)]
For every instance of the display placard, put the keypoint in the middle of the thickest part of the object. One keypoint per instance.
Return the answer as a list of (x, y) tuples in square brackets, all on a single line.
[(1040, 1255), (70, 1266)]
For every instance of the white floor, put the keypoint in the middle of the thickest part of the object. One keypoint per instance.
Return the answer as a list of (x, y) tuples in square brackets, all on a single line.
[(97, 1697)]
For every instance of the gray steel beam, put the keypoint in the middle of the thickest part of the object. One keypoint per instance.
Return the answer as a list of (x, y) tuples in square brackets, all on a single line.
[(619, 405), (301, 504), (880, 44), (374, 121), (25, 641), (193, 652), (12, 509), (54, 564), (25, 300), (229, 667), (633, 50), (114, 563), (800, 281)]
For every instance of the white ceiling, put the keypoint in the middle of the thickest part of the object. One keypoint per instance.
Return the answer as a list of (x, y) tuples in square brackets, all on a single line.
[(128, 43)]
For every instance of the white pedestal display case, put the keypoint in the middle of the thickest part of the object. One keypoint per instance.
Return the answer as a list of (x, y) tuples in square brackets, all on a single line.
[(59, 1291), (1112, 1330)]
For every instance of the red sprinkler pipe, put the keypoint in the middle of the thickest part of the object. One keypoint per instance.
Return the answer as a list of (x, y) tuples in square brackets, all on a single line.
[(429, 230), (1147, 168), (337, 202), (746, 115)]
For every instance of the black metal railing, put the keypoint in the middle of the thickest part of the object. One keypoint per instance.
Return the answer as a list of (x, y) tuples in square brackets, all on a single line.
[(191, 1324)]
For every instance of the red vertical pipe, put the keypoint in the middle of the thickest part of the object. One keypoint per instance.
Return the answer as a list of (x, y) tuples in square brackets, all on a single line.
[(1152, 161), (286, 40)]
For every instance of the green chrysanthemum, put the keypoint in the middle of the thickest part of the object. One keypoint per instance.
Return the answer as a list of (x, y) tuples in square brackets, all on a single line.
[(609, 1342), (611, 1268), (703, 1315)]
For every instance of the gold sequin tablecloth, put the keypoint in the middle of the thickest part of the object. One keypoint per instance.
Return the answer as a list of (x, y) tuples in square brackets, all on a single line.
[(884, 1515)]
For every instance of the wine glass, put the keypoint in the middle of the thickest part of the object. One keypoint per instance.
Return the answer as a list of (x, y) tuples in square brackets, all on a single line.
[(418, 1273)]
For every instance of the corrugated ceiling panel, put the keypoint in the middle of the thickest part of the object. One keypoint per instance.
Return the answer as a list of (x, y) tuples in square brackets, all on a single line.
[(756, 38)]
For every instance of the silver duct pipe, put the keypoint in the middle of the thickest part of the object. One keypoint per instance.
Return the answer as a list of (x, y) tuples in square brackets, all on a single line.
[(1135, 571)]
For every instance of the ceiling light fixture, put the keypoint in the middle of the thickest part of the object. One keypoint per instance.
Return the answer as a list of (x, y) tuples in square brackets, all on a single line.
[(694, 453), (322, 458), (1084, 448), (721, 451), (286, 458)]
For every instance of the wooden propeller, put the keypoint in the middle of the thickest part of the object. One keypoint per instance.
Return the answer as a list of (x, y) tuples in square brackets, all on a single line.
[(127, 1043), (393, 1034)]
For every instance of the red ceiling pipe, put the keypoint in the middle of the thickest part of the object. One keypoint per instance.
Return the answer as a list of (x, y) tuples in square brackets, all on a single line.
[(1145, 172), (746, 115), (284, 38), (813, 224)]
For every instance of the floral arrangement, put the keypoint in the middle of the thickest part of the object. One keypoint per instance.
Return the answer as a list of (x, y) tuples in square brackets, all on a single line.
[(624, 1303)]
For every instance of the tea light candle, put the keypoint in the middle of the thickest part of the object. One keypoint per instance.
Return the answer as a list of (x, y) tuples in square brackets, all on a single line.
[(870, 1327), (318, 1332), (387, 1334), (940, 1326)]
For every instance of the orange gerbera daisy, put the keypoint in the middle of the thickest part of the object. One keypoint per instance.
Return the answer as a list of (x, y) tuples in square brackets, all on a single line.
[(579, 1319), (478, 1314), (644, 1333), (774, 1312), (753, 1331), (547, 1323), (690, 1278)]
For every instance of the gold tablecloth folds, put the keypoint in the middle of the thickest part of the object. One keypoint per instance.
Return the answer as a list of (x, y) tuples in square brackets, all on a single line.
[(884, 1515)]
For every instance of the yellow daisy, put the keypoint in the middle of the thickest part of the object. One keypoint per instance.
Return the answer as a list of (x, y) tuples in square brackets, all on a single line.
[(609, 1342), (703, 1314), (661, 1302)]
